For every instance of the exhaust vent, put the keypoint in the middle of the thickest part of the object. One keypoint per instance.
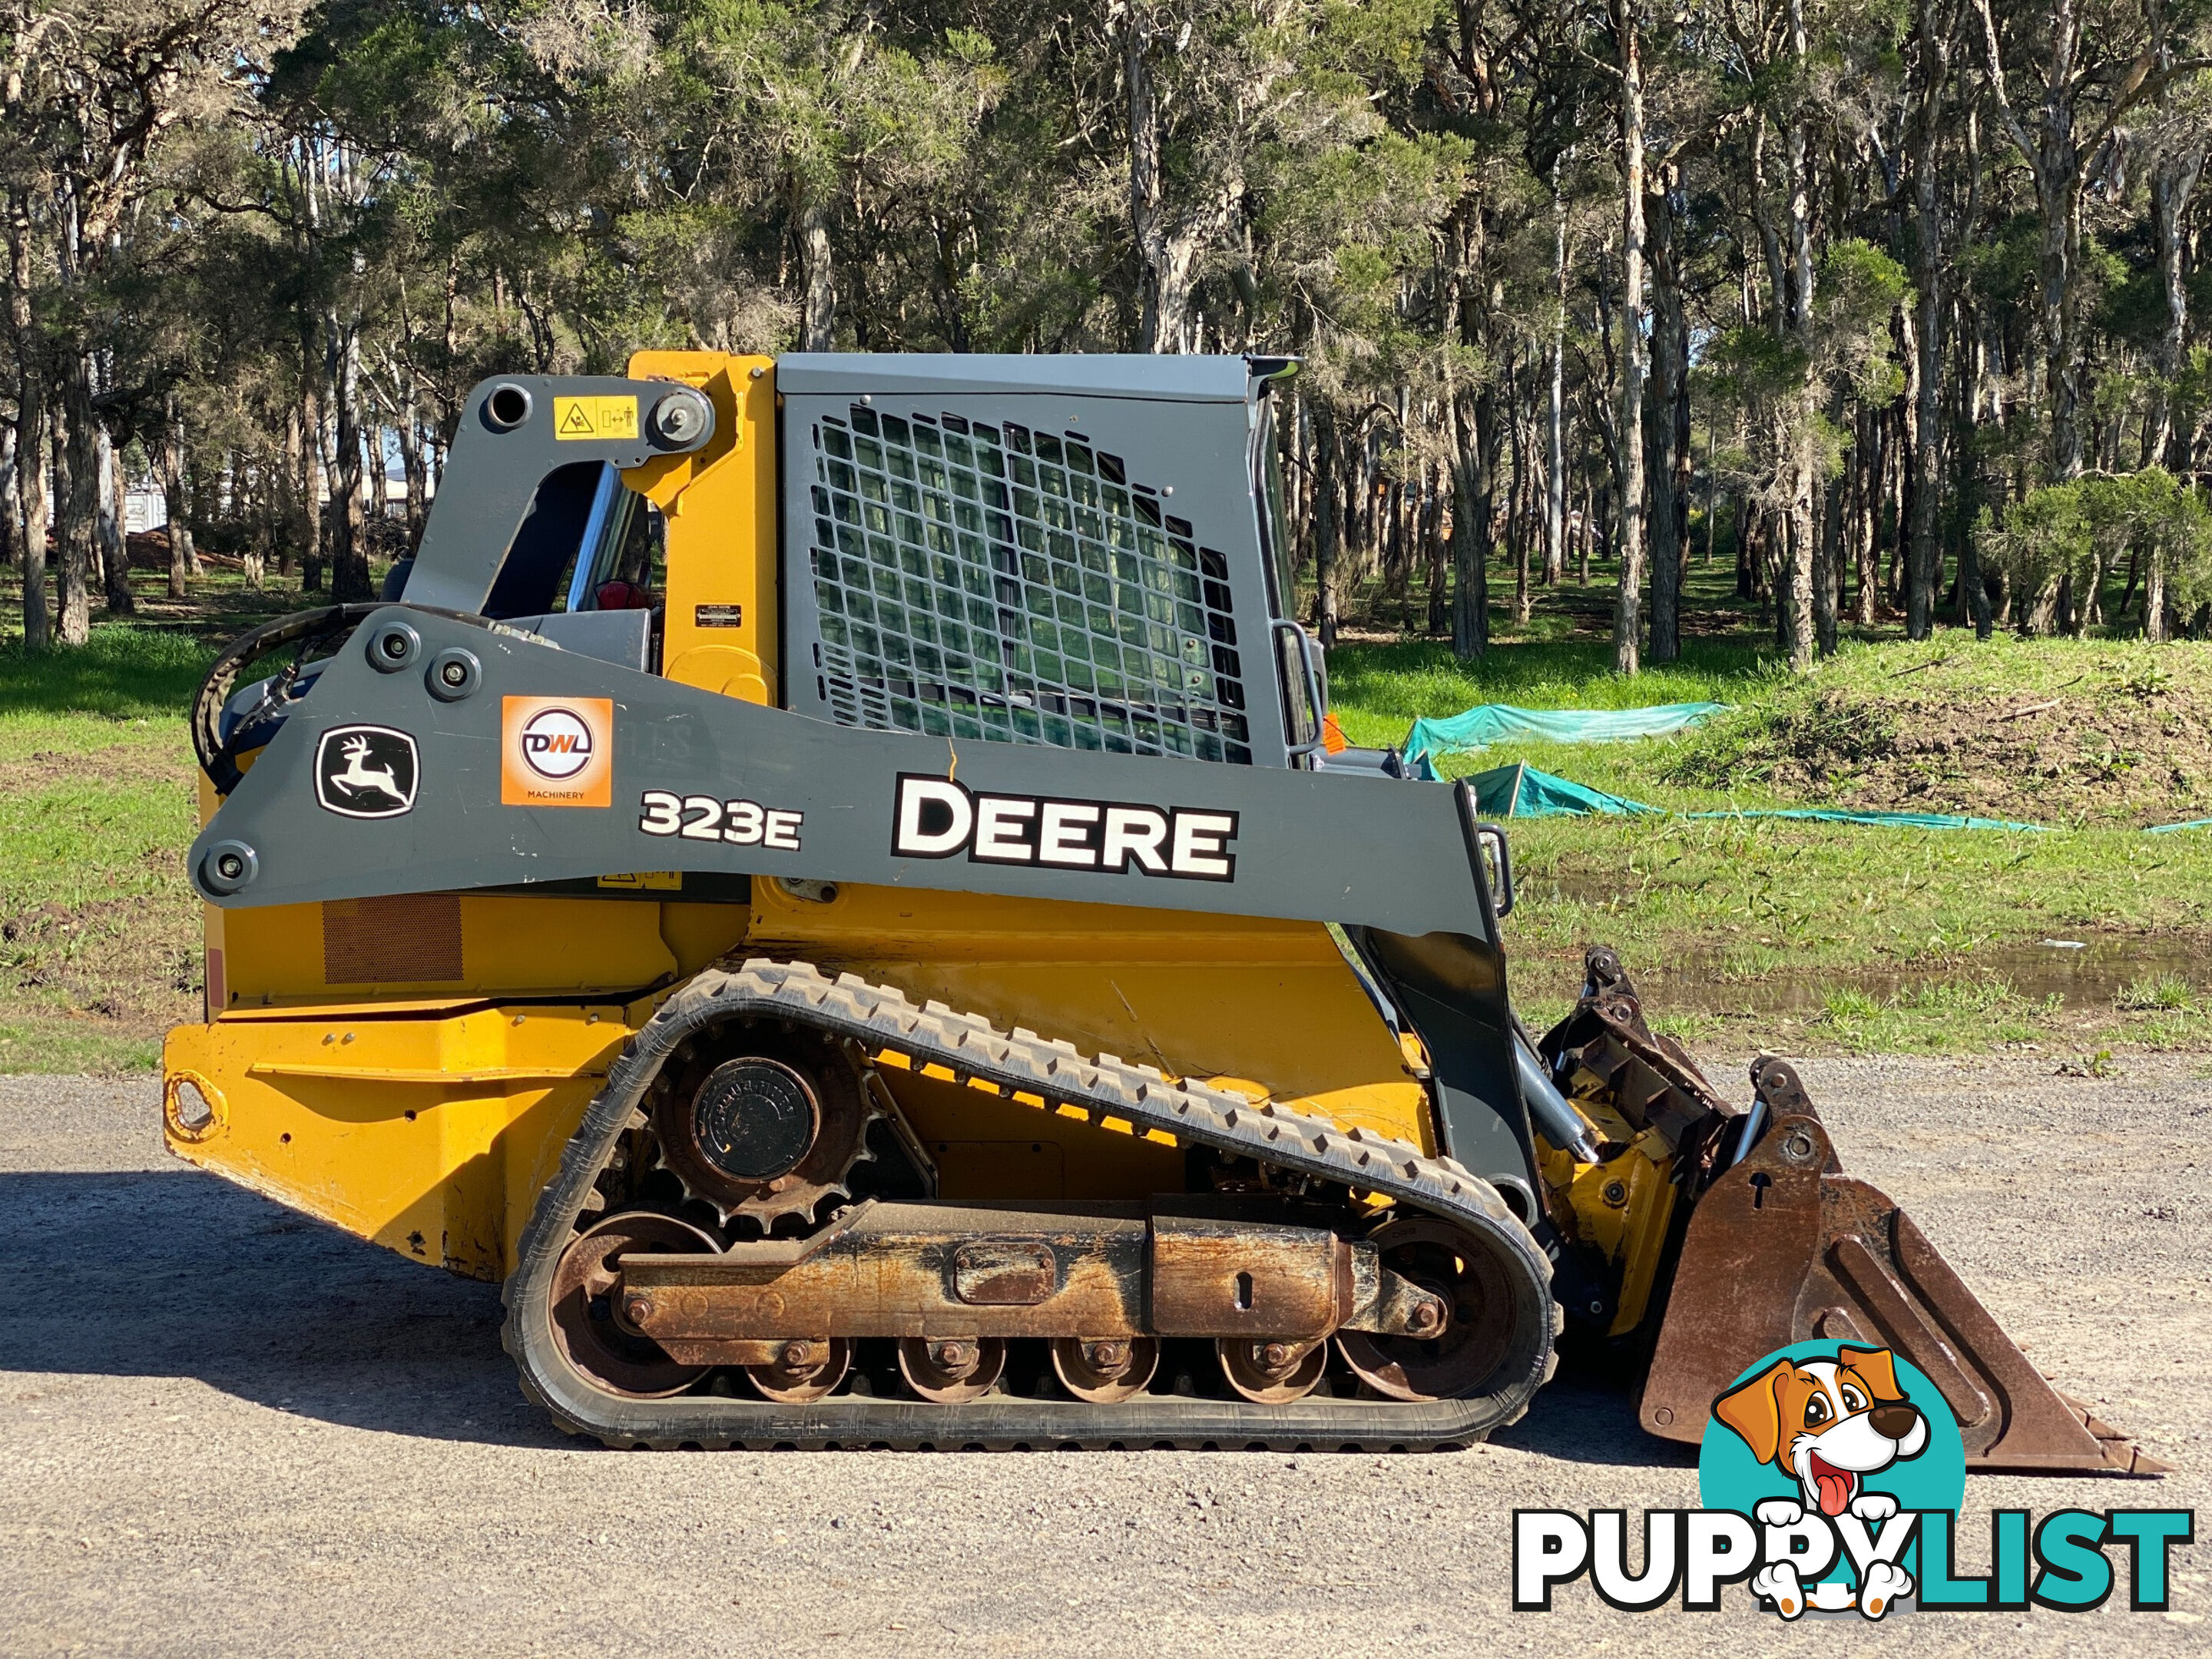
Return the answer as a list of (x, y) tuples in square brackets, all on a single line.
[(408, 938)]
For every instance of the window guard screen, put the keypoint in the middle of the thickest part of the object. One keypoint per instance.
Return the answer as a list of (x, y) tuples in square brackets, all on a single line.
[(997, 583)]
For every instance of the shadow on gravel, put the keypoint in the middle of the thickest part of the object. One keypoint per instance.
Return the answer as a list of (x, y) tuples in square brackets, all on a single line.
[(177, 1274), (1584, 1418)]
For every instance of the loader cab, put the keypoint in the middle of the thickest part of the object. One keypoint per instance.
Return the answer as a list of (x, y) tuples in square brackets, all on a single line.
[(1084, 552), (585, 569)]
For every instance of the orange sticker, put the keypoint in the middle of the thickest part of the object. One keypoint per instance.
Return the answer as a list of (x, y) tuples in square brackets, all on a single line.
[(556, 751)]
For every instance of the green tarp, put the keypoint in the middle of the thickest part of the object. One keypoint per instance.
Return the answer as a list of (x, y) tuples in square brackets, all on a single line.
[(1491, 722), (1520, 791), (1894, 820)]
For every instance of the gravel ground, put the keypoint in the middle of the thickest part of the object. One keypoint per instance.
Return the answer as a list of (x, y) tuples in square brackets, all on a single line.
[(230, 1430)]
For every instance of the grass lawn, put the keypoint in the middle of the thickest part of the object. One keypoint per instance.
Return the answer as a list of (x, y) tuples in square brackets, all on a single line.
[(1744, 932), (98, 931), (1809, 936)]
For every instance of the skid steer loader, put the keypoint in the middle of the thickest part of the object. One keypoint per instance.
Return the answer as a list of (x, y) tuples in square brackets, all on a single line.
[(833, 879)]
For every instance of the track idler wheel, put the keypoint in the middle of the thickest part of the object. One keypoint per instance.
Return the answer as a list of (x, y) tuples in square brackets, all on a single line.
[(805, 1370), (590, 1326), (951, 1370), (1105, 1370), (1478, 1334), (1272, 1370)]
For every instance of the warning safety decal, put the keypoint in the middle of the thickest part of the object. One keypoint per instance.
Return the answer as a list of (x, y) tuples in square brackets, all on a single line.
[(594, 418)]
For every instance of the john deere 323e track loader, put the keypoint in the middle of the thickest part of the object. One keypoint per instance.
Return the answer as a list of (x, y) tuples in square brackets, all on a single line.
[(830, 879)]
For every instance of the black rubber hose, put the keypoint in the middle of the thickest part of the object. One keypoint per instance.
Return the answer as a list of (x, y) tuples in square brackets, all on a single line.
[(327, 626), (301, 627)]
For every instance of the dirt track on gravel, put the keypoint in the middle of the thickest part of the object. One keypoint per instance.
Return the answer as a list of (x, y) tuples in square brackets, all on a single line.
[(228, 1429)]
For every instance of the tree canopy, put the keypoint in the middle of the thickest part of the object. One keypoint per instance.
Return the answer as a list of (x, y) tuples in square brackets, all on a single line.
[(1901, 304)]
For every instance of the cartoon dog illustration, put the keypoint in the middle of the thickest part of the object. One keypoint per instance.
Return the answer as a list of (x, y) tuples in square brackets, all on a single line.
[(1830, 1423)]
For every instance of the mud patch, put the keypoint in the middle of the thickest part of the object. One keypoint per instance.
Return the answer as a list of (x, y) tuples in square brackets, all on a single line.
[(133, 966), (118, 766), (2110, 748)]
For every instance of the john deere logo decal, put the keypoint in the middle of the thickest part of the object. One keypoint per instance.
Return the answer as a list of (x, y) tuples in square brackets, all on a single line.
[(366, 772), (556, 751)]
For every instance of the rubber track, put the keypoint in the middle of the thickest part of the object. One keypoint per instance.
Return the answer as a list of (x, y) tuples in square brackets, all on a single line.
[(1055, 1074)]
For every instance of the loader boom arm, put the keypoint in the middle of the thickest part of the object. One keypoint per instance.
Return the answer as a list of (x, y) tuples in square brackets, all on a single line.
[(706, 785)]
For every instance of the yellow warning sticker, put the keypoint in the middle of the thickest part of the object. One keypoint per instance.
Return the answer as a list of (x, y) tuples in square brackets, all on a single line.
[(594, 418)]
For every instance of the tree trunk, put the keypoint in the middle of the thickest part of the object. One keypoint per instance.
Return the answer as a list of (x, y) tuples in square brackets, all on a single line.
[(312, 477), (1802, 638), (78, 470), (1866, 528), (2172, 182), (2154, 629), (1924, 555), (1433, 545), (11, 496), (2053, 155), (1669, 434), (32, 425), (817, 277), (1516, 518), (350, 540), (1555, 463), (1628, 608), (184, 557), (1167, 251), (1828, 567), (1474, 473), (111, 526), (410, 464), (1584, 529), (1329, 519)]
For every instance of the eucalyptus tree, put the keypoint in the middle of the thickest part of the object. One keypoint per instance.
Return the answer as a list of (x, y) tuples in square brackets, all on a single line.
[(2061, 81), (91, 94)]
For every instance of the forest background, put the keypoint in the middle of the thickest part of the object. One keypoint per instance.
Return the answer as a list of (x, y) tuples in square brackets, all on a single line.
[(1895, 304), (1648, 351)]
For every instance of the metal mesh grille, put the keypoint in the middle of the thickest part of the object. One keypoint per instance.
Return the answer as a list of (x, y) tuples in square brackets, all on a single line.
[(998, 583), (406, 940)]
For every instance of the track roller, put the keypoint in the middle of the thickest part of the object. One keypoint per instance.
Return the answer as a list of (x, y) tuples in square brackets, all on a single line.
[(1272, 1370), (951, 1370), (1106, 1370), (804, 1371)]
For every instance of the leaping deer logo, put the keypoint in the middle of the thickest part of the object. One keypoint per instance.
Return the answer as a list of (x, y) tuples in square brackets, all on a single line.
[(358, 776), (366, 772)]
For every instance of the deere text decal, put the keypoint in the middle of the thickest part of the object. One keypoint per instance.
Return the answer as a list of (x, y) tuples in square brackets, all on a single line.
[(938, 818)]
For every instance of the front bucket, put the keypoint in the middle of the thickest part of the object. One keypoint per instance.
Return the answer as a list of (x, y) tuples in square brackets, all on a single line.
[(1783, 1248)]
